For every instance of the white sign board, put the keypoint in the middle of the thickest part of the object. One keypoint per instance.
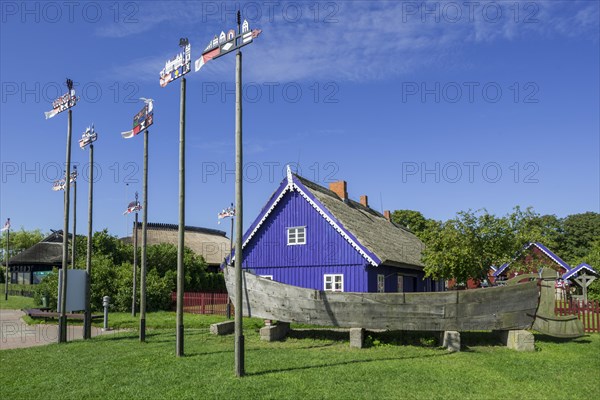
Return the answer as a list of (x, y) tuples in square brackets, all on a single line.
[(76, 281)]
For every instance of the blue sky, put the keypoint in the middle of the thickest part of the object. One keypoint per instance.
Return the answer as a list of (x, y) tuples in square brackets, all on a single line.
[(436, 107)]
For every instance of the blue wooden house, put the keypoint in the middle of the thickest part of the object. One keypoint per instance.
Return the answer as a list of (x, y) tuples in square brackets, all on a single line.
[(310, 236)]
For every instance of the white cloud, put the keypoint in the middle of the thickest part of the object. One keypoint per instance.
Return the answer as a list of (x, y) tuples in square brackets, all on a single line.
[(370, 41)]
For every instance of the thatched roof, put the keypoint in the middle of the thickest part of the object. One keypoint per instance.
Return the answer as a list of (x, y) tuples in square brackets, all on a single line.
[(391, 243), (46, 252), (212, 244)]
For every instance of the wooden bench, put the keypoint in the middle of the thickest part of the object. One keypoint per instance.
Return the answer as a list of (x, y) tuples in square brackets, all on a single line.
[(46, 314)]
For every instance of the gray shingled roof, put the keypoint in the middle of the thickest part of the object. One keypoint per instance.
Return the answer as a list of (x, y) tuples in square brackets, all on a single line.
[(46, 252), (392, 243), (212, 244)]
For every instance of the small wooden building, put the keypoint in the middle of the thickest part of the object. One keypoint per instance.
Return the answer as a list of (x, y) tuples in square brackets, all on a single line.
[(536, 255), (32, 265), (315, 237)]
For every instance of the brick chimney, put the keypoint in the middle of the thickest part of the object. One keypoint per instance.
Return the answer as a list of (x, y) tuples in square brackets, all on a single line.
[(364, 200), (339, 188), (387, 215)]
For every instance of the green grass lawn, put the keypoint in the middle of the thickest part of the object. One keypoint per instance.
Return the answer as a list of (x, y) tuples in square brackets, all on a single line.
[(313, 365), (15, 302)]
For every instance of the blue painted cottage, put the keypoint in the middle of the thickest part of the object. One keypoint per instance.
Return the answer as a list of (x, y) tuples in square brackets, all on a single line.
[(313, 237)]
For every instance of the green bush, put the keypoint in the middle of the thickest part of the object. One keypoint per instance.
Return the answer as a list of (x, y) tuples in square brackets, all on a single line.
[(48, 287)]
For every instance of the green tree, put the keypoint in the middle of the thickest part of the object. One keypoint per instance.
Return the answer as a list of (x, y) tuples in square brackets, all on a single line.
[(466, 246), (415, 222), (21, 240), (580, 231)]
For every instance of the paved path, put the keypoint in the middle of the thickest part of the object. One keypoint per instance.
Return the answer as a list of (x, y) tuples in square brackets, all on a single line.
[(16, 334)]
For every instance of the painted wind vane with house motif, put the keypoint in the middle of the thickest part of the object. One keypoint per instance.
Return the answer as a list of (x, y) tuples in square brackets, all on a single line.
[(64, 102), (226, 43), (60, 184), (88, 137), (226, 213), (142, 119), (178, 66)]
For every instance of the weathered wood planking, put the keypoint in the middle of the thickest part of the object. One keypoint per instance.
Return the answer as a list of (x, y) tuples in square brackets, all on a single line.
[(509, 307)]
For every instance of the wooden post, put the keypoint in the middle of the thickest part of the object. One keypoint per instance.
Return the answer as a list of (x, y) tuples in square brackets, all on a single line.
[(239, 333), (135, 247), (181, 238), (87, 323), (144, 237), (74, 235), (62, 320), (7, 260)]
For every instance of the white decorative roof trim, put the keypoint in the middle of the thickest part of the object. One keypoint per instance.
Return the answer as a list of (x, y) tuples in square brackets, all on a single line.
[(291, 186), (551, 256), (335, 226), (277, 200)]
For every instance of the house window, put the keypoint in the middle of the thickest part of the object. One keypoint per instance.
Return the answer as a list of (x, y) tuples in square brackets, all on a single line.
[(296, 235), (400, 283), (381, 283), (334, 283)]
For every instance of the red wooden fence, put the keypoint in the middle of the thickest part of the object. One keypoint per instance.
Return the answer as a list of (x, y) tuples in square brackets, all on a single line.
[(588, 313), (203, 303)]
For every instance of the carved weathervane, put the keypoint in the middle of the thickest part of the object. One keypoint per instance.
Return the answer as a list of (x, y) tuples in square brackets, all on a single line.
[(88, 137), (226, 43), (142, 120), (60, 184), (64, 102), (178, 66)]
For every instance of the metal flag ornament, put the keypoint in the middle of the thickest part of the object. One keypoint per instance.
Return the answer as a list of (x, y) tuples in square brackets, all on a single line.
[(142, 119), (6, 225), (88, 137), (64, 102), (60, 184), (133, 206), (178, 66), (226, 213), (226, 43)]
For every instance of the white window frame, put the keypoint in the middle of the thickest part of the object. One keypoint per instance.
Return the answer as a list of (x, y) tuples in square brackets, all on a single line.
[(400, 283), (380, 283), (331, 279), (293, 232)]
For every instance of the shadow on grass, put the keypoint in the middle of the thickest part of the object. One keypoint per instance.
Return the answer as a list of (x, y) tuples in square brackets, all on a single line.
[(336, 364), (551, 339), (319, 334)]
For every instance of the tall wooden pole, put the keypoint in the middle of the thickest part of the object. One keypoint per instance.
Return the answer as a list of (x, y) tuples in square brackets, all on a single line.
[(7, 260), (181, 239), (144, 237), (135, 260), (239, 334), (62, 320), (74, 236), (87, 324)]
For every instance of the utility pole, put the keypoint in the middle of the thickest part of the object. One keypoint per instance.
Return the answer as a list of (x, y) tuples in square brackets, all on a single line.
[(181, 238), (88, 137), (135, 260), (7, 227), (144, 241), (239, 209), (175, 69), (74, 235), (65, 102), (218, 47), (141, 122), (62, 320)]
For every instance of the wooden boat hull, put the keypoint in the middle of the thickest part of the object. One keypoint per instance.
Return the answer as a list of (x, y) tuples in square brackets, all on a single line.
[(498, 308)]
